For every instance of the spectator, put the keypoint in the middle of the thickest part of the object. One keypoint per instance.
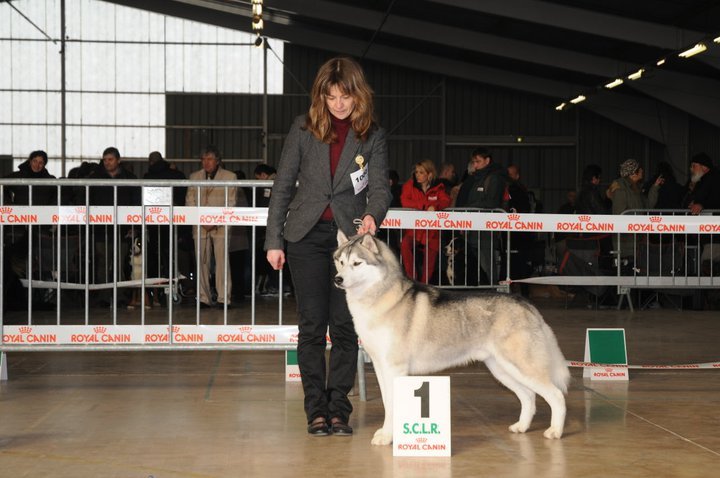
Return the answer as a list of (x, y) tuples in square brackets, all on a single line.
[(268, 279), (33, 168), (591, 200), (626, 194), (424, 192), (212, 237), (705, 181), (705, 195), (159, 236), (568, 207), (395, 188), (447, 176), (671, 193), (485, 188), (239, 248), (105, 256), (522, 242)]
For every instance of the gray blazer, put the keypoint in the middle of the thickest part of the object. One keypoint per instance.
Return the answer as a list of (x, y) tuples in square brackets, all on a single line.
[(306, 160)]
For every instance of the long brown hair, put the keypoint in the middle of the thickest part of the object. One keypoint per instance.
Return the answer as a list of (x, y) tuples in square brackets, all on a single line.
[(348, 76)]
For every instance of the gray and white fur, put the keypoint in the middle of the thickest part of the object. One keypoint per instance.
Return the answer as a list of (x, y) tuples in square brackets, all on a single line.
[(409, 328)]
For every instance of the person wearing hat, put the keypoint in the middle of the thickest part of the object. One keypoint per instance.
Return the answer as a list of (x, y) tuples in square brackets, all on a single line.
[(626, 193), (705, 185)]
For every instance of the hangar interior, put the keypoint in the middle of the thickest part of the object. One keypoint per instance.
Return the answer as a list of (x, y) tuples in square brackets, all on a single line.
[(448, 75)]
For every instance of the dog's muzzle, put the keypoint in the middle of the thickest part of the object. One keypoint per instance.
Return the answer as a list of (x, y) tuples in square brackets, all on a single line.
[(338, 281)]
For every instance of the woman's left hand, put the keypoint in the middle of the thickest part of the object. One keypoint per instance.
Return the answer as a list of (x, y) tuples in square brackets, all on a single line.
[(367, 226)]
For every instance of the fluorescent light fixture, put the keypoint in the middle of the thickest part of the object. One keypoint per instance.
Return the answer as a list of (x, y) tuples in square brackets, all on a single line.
[(717, 40), (698, 48), (637, 75), (614, 83), (577, 100), (660, 62), (561, 106)]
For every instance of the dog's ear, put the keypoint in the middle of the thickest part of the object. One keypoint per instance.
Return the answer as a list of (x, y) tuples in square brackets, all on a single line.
[(369, 242), (341, 238)]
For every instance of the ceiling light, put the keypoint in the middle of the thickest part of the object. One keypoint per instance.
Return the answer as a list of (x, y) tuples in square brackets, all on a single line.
[(614, 83), (561, 106), (257, 19), (660, 62), (699, 48), (577, 100), (637, 75), (717, 40)]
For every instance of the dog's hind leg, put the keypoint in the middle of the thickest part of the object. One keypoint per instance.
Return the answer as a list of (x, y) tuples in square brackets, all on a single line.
[(524, 394), (552, 395)]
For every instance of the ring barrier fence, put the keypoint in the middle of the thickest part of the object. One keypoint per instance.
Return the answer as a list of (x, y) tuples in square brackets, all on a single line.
[(57, 260)]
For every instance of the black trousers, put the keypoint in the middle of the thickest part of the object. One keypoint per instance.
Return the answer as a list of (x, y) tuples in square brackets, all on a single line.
[(322, 305)]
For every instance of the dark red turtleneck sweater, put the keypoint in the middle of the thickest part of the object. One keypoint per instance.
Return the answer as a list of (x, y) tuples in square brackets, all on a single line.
[(341, 129)]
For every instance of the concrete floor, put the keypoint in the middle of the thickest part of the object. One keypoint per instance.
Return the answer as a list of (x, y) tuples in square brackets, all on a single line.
[(230, 413)]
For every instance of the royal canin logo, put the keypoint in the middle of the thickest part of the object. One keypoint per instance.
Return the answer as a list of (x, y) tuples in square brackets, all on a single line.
[(421, 440), (5, 210), (80, 210), (228, 212), (25, 330), (609, 369), (294, 338), (154, 210), (443, 215), (174, 329), (513, 217), (100, 329), (655, 218), (584, 218), (245, 328)]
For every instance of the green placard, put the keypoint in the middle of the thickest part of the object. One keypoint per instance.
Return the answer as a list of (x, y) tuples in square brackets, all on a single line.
[(607, 346), (291, 357)]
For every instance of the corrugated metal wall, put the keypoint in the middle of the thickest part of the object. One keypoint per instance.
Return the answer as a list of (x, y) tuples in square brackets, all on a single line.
[(555, 146)]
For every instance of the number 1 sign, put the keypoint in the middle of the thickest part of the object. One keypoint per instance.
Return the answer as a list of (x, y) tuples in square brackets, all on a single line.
[(421, 416)]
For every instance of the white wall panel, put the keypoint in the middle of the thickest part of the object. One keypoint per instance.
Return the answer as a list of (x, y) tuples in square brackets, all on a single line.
[(132, 67), (174, 67), (97, 108), (29, 107), (98, 67), (101, 69)]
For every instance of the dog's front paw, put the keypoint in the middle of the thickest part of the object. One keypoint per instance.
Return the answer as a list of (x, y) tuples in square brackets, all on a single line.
[(518, 427), (553, 433), (382, 438)]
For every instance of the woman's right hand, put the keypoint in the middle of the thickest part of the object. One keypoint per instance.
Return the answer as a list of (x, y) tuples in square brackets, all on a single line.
[(276, 258)]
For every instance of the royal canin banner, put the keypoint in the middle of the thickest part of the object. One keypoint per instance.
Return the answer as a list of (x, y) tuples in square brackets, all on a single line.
[(395, 219), (514, 222), (148, 334)]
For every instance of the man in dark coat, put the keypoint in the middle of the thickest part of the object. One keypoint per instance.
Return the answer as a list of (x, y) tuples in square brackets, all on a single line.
[(159, 236), (484, 189), (705, 185), (111, 170)]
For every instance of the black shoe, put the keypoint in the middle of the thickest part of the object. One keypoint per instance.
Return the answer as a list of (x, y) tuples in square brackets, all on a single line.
[(221, 306), (203, 305), (318, 427), (340, 428)]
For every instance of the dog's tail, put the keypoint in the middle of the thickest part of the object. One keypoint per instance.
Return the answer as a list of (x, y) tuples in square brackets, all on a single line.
[(560, 374)]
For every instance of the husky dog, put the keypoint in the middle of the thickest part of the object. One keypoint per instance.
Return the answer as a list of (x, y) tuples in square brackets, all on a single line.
[(409, 328)]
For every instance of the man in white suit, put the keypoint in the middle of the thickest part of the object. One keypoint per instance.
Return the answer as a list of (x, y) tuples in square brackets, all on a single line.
[(212, 237)]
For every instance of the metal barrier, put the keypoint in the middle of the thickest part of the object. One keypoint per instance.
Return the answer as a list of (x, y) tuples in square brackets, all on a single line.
[(62, 245)]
